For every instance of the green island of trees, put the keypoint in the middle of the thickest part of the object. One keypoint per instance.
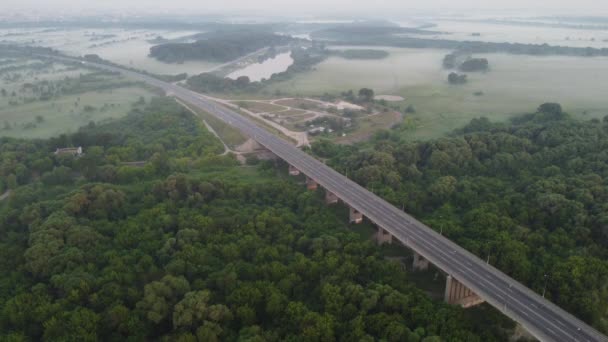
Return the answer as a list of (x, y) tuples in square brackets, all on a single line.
[(454, 78), (218, 46), (187, 245), (450, 60), (474, 64), (529, 195), (464, 62)]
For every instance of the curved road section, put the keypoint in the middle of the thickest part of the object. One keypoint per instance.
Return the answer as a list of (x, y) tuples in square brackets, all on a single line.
[(543, 319)]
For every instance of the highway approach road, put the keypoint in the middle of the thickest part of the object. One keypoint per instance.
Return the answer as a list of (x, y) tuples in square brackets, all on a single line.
[(543, 319)]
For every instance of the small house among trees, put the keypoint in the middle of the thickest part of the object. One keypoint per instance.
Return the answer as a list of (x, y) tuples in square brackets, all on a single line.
[(73, 151)]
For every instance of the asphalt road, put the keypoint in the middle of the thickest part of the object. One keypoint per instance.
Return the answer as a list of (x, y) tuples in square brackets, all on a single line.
[(543, 319)]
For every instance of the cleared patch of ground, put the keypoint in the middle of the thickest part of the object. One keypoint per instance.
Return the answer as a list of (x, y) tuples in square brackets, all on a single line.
[(297, 123), (259, 107), (290, 112), (368, 125), (62, 115), (299, 115), (342, 105), (299, 103), (389, 98)]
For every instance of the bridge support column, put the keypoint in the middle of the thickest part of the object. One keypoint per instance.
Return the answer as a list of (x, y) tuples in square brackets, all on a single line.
[(293, 171), (254, 145), (420, 263), (311, 184), (330, 197), (458, 294), (383, 236), (355, 216)]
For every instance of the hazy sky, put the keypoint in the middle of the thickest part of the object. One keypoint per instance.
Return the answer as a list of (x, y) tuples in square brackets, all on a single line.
[(329, 7)]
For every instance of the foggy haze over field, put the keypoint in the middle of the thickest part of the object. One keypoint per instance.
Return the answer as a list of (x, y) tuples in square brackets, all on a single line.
[(304, 170), (311, 7)]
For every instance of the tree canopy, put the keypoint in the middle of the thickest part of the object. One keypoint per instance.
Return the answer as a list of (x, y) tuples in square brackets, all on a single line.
[(191, 247), (530, 195), (454, 78), (218, 46)]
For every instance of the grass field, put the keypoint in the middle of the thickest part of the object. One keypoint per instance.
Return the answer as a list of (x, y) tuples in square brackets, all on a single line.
[(403, 67), (61, 116), (370, 124), (300, 103), (243, 174), (291, 112), (24, 114), (296, 123), (514, 85), (229, 135), (259, 107)]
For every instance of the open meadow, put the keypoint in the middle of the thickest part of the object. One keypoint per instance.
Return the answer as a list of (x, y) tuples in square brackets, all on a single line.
[(515, 84), (403, 67), (42, 99)]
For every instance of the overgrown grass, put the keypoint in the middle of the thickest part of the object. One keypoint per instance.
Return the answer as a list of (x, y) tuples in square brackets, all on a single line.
[(514, 85), (259, 107), (229, 135), (369, 124), (62, 116), (25, 114), (267, 126), (244, 174)]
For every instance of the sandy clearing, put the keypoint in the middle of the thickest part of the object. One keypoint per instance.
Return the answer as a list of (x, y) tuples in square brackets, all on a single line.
[(389, 98)]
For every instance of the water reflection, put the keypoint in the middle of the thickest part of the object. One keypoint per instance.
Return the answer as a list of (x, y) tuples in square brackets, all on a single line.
[(258, 71)]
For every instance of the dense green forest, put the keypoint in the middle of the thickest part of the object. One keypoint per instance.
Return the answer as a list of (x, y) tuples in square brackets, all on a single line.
[(189, 246), (218, 47), (530, 194)]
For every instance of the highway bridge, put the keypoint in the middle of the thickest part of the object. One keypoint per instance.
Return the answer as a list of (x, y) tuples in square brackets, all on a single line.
[(540, 317)]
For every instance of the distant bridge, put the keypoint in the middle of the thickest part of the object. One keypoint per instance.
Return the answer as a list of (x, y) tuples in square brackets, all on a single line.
[(470, 280)]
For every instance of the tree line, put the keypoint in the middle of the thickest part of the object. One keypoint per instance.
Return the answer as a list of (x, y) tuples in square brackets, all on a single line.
[(177, 250), (218, 46), (528, 195)]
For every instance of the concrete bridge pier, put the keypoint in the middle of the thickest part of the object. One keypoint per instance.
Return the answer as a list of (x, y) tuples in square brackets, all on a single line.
[(311, 184), (293, 171), (458, 294), (420, 263), (254, 145), (383, 236), (355, 216), (330, 197)]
